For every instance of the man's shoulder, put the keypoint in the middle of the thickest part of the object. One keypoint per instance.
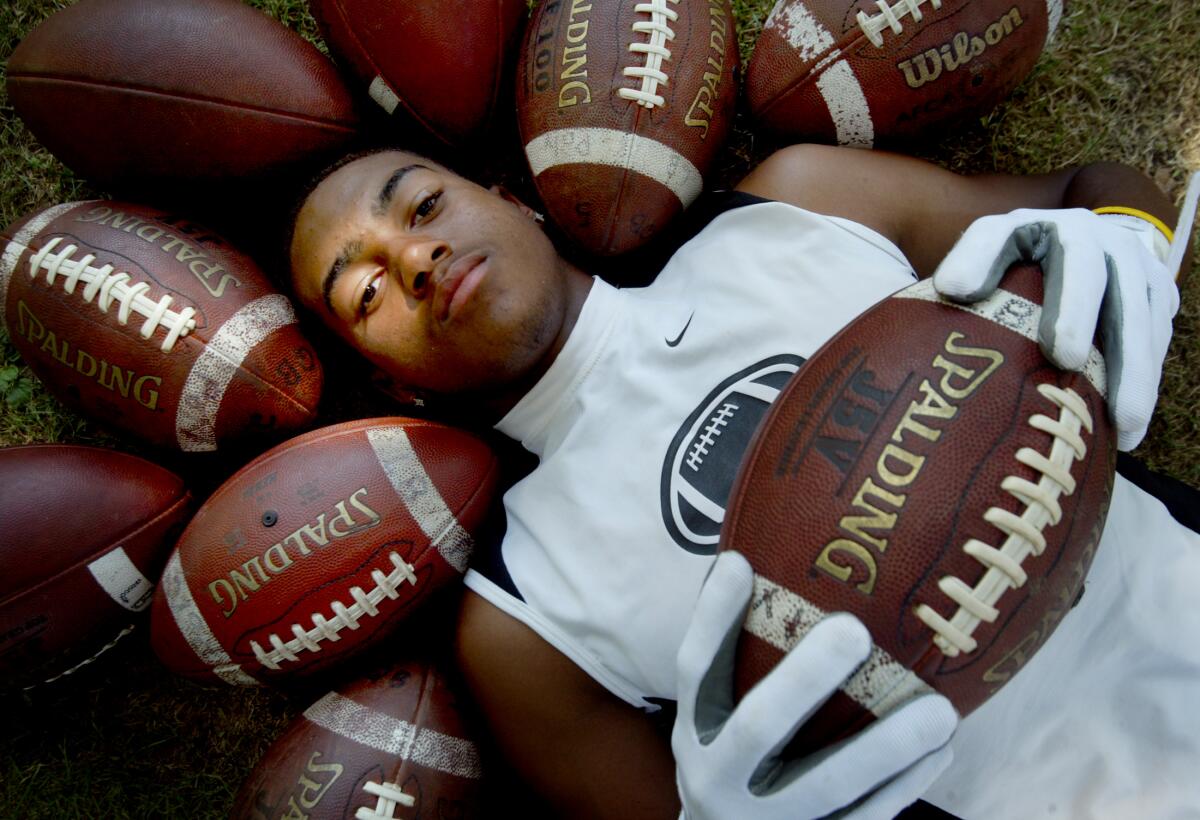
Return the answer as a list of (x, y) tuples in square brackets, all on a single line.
[(642, 267)]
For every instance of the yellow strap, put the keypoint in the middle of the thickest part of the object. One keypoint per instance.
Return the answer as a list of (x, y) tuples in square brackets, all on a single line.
[(1153, 220)]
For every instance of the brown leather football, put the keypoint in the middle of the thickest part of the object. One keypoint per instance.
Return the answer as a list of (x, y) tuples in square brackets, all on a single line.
[(623, 107), (856, 72), (387, 745), (318, 548), (138, 92), (84, 534), (443, 66), (931, 473), (155, 326)]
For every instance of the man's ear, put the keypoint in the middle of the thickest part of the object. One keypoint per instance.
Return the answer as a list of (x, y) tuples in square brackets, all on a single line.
[(509, 196)]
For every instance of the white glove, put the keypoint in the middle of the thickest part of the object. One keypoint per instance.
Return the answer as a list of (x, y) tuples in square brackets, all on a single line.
[(1097, 270), (727, 761)]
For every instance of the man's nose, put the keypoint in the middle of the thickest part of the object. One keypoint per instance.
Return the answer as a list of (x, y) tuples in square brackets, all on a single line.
[(417, 258)]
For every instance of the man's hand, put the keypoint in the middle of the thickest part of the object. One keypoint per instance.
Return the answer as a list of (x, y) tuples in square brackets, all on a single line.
[(728, 761), (1098, 272)]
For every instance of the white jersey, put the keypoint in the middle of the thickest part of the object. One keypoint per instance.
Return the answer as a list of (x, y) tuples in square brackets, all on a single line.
[(608, 541), (640, 425)]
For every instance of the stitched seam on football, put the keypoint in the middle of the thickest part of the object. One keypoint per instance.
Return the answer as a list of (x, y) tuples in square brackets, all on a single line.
[(253, 373), (35, 79), (125, 537)]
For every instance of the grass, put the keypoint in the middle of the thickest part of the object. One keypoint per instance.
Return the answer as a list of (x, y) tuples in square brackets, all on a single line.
[(126, 739)]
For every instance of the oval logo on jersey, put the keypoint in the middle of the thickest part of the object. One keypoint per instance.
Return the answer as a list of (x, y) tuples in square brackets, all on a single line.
[(704, 456)]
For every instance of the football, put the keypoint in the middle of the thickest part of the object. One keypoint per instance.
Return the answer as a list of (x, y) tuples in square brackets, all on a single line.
[(858, 72), (622, 108), (154, 326), (162, 92), (84, 534), (930, 472), (707, 449), (319, 547), (443, 66), (394, 744)]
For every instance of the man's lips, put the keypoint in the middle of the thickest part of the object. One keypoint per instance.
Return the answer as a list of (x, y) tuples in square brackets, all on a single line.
[(460, 281)]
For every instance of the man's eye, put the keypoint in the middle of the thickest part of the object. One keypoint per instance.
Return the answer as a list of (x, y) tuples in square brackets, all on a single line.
[(368, 295), (426, 206)]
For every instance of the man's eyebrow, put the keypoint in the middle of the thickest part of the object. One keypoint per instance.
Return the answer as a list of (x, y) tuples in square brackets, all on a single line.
[(335, 270), (384, 200)]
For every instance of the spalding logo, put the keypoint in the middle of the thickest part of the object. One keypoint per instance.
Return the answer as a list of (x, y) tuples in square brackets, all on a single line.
[(704, 456)]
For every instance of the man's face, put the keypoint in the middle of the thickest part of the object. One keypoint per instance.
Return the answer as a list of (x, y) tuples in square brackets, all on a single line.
[(443, 284)]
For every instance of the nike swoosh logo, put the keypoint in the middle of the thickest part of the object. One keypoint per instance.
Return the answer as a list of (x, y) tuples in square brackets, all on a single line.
[(679, 338)]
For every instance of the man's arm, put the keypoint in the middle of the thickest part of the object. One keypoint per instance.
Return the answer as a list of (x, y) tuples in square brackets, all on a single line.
[(588, 753), (923, 208)]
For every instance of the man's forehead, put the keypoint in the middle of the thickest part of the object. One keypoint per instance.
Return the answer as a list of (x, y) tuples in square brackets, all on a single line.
[(385, 161), (357, 184), (343, 191), (325, 222)]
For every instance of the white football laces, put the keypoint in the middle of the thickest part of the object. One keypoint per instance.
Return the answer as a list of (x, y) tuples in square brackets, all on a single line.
[(389, 796), (891, 16), (658, 27), (1023, 533), (366, 605), (106, 285)]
